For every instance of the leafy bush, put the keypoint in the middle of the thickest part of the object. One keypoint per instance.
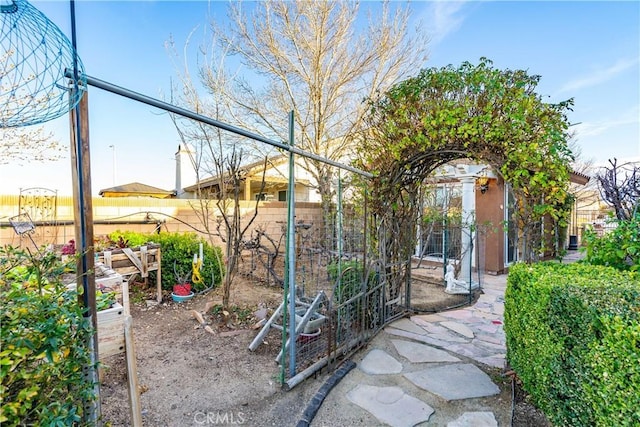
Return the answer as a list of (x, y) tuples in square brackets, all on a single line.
[(572, 337), (42, 356), (351, 275), (619, 248), (335, 268), (177, 251)]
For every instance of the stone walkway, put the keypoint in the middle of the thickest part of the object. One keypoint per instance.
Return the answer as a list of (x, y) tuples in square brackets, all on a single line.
[(420, 364)]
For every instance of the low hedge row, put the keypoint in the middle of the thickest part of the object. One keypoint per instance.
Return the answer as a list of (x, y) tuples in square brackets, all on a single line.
[(573, 338)]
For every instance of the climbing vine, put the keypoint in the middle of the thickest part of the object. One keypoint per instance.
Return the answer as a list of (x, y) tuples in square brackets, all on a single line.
[(477, 112)]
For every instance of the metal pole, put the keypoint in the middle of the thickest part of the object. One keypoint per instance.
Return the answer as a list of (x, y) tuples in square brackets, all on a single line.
[(113, 148), (445, 240), (291, 252), (109, 87), (83, 212), (339, 233)]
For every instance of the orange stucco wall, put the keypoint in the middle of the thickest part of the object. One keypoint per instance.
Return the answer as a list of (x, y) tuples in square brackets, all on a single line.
[(489, 216)]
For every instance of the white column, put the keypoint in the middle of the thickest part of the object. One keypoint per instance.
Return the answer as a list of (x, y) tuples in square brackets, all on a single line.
[(468, 218)]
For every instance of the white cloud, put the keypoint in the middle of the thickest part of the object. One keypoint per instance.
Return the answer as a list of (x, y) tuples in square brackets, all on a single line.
[(443, 18), (587, 129), (599, 76)]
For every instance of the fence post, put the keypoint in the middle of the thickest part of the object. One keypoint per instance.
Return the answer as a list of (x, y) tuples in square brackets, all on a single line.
[(291, 253)]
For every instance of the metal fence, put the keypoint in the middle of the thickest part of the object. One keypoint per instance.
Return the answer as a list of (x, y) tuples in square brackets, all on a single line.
[(344, 292), (581, 219), (345, 288), (440, 239), (340, 285), (439, 244)]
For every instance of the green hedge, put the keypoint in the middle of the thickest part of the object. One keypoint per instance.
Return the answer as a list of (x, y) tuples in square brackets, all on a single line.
[(178, 250), (573, 338)]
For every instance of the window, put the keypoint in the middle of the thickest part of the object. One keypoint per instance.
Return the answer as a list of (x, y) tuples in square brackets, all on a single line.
[(511, 232), (439, 238), (282, 196)]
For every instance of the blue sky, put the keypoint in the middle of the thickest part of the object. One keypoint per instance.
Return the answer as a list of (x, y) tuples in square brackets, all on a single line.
[(586, 50)]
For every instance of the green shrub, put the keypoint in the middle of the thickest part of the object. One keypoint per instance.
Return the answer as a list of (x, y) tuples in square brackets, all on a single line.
[(612, 380), (351, 275), (177, 254), (528, 335), (335, 268), (619, 248), (42, 355), (572, 337)]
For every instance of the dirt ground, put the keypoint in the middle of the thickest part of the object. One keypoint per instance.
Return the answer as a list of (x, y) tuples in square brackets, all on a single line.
[(190, 377)]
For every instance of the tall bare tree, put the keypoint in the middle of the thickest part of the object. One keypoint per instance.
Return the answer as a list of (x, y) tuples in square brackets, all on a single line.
[(317, 60)]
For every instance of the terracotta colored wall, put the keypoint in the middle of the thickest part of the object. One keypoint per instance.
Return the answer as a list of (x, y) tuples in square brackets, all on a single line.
[(489, 216)]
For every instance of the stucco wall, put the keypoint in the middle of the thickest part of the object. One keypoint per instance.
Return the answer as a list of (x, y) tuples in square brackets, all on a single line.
[(489, 216)]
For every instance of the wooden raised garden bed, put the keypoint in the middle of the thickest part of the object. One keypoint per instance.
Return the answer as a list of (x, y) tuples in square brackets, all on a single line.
[(135, 261), (111, 320)]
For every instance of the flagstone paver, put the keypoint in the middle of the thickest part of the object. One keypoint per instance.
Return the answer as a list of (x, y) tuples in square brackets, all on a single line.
[(454, 381), (421, 353), (391, 405), (475, 419), (409, 326), (491, 338), (497, 361), (457, 314), (449, 337), (459, 328), (432, 341), (429, 317), (427, 339), (379, 362)]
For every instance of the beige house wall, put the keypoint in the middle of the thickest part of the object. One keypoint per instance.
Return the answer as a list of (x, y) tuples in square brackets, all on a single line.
[(143, 214)]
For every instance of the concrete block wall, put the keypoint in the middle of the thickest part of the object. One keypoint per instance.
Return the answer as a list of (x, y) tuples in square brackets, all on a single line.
[(141, 215)]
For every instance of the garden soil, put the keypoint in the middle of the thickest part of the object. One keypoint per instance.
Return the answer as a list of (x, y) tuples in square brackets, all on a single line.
[(190, 377)]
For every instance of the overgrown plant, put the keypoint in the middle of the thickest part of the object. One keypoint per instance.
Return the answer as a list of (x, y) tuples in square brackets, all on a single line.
[(43, 357), (618, 248), (480, 113)]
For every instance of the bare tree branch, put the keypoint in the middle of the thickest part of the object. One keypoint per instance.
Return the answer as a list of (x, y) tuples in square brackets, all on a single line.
[(314, 60), (21, 145), (620, 188)]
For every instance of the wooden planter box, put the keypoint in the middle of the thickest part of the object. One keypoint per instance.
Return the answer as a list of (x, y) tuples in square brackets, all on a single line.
[(131, 261), (111, 331), (111, 321)]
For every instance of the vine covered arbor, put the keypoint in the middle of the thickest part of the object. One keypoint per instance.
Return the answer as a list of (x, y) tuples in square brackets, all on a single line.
[(474, 113), (481, 114)]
